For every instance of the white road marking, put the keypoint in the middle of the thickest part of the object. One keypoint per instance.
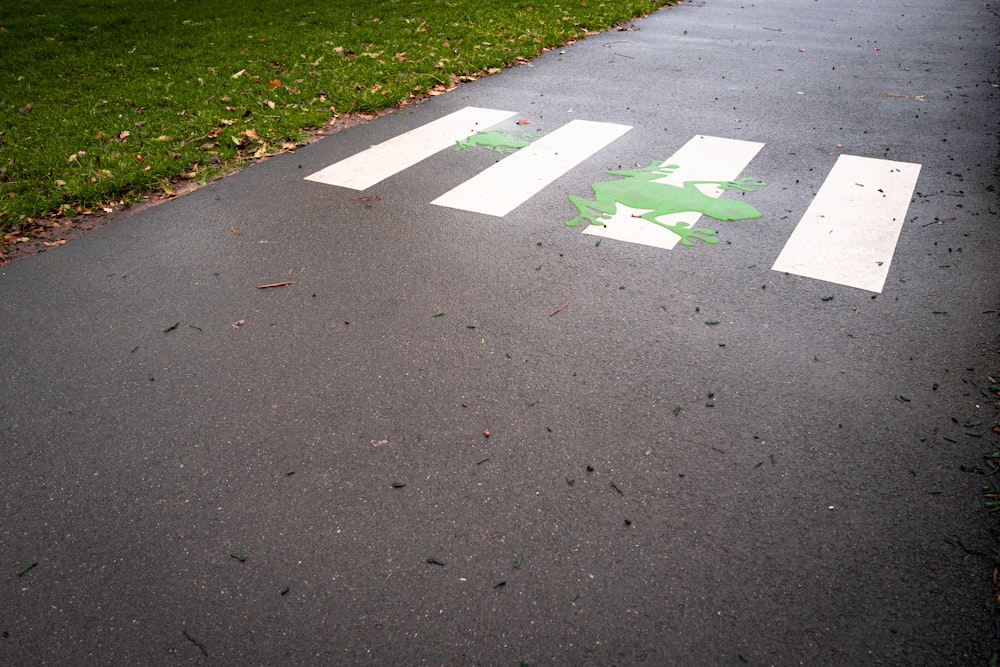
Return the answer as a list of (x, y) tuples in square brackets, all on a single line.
[(363, 170), (509, 183), (848, 234), (703, 158)]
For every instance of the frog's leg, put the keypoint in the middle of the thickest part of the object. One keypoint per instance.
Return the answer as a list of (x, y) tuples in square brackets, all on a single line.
[(744, 184), (685, 230), (502, 150), (583, 206), (463, 145)]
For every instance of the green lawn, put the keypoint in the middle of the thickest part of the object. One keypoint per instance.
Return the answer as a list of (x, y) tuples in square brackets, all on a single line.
[(101, 102)]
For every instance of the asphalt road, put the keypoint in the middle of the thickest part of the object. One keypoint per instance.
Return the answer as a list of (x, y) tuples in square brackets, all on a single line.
[(460, 438)]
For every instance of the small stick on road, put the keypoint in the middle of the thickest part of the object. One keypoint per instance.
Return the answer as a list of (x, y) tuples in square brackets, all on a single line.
[(197, 643), (287, 282), (560, 308)]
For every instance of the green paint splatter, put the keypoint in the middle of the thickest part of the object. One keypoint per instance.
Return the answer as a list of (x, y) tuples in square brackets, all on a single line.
[(498, 141), (641, 190)]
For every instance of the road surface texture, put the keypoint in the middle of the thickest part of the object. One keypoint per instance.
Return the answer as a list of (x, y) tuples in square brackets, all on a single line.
[(462, 438)]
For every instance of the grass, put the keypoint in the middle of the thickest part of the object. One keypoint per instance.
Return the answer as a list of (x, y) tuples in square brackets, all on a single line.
[(103, 102)]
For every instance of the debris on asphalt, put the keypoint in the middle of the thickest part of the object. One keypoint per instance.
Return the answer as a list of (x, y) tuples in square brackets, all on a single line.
[(590, 468), (171, 328), (560, 308), (24, 570), (518, 560), (903, 399), (281, 284), (616, 488), (482, 461), (627, 523), (677, 410), (201, 647), (240, 557), (397, 485), (500, 584), (434, 561), (827, 298), (438, 313), (569, 481), (238, 323), (486, 434), (711, 322), (284, 591), (379, 443)]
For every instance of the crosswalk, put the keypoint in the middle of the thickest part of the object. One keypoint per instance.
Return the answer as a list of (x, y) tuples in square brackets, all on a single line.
[(847, 236), (515, 179), (373, 165)]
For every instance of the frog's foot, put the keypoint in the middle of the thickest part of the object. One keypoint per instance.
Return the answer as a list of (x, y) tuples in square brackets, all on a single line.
[(744, 184), (591, 211), (687, 233)]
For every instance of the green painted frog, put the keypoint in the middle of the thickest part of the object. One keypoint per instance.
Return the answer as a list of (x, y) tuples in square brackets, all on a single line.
[(641, 191), (499, 141)]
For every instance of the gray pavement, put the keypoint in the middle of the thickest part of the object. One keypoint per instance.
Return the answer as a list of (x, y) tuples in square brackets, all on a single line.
[(316, 484)]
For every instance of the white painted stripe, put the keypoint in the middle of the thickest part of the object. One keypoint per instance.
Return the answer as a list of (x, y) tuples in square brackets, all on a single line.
[(365, 169), (518, 177), (848, 234), (703, 158)]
